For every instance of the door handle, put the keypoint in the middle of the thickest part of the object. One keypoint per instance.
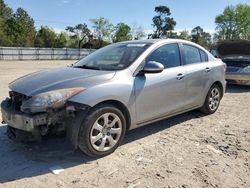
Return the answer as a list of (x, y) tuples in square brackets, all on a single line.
[(207, 69), (180, 76)]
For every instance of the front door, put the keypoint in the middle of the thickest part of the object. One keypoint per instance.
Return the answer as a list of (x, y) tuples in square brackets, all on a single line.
[(160, 94)]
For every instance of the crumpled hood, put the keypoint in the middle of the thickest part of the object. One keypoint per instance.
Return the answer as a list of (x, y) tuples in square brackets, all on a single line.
[(59, 78), (233, 48)]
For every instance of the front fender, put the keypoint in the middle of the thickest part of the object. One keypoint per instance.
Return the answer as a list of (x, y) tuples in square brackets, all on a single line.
[(115, 91)]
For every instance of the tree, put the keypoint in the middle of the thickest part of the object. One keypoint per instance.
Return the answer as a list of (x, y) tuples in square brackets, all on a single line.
[(201, 37), (45, 37), (138, 33), (21, 29), (80, 32), (226, 23), (243, 21), (233, 23), (5, 11), (60, 41), (163, 23), (5, 16), (103, 29), (184, 35), (122, 33), (4, 38)]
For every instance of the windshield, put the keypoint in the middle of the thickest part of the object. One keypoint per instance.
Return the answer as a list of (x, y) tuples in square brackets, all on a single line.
[(112, 57)]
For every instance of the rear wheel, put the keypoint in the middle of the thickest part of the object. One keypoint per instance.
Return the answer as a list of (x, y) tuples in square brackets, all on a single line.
[(212, 101), (102, 131)]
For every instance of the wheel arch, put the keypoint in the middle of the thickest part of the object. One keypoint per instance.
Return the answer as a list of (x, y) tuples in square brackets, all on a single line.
[(119, 105), (219, 84)]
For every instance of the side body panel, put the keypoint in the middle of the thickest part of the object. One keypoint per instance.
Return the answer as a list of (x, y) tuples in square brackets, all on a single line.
[(159, 94), (198, 80)]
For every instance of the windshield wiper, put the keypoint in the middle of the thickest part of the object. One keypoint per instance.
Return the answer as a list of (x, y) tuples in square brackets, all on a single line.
[(87, 67)]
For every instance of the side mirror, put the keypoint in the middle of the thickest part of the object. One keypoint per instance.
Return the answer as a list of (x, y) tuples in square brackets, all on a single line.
[(153, 67)]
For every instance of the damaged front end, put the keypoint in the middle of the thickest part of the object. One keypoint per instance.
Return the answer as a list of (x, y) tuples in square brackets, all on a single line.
[(30, 118)]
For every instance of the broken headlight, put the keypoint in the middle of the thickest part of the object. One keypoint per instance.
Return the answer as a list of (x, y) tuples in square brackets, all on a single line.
[(49, 100)]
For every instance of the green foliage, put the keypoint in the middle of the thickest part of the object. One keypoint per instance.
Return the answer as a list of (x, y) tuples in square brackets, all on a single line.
[(21, 29), (5, 11), (138, 33), (122, 33), (95, 44), (16, 29), (163, 23), (80, 32), (60, 41), (45, 37), (226, 23), (233, 23), (201, 37), (103, 29), (184, 35), (4, 39), (243, 20)]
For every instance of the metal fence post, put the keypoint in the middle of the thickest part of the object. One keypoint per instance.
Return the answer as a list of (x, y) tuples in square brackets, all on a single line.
[(20, 54), (52, 54), (36, 54), (66, 51), (1, 54)]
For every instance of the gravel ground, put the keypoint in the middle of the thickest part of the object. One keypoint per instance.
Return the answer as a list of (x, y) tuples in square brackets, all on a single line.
[(189, 150)]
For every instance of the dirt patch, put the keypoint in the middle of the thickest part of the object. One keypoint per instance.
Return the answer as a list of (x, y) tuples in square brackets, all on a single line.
[(189, 150)]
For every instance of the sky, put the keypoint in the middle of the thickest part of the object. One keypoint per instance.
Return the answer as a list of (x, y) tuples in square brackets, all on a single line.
[(58, 14)]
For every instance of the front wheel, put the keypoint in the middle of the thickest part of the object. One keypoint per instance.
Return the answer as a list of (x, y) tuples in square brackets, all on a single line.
[(102, 131), (212, 101)]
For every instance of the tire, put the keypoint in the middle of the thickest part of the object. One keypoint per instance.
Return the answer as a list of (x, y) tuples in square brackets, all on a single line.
[(212, 101), (102, 131)]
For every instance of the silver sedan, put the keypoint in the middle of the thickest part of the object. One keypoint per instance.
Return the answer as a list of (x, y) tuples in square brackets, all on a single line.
[(117, 88)]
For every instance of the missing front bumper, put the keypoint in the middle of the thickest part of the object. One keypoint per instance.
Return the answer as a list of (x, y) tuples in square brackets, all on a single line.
[(19, 120), (26, 122), (66, 120)]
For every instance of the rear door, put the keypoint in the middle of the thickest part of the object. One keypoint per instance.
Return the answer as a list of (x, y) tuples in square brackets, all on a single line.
[(197, 74)]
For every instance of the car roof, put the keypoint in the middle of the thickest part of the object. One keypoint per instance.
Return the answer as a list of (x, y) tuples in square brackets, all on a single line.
[(154, 41)]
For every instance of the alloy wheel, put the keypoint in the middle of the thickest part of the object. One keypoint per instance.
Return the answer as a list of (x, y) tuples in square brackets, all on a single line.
[(214, 99), (106, 132)]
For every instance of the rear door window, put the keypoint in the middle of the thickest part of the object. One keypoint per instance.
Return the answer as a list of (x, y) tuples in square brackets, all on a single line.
[(203, 56), (191, 54)]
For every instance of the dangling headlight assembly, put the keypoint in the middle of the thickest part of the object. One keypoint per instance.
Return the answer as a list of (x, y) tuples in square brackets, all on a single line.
[(49, 100)]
